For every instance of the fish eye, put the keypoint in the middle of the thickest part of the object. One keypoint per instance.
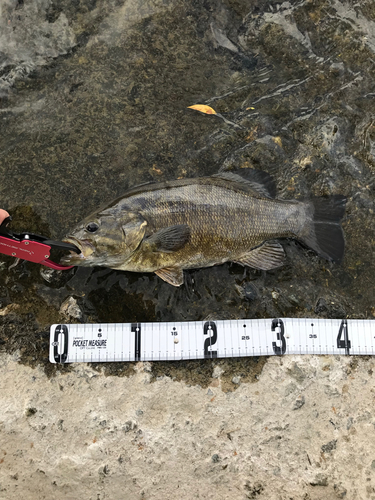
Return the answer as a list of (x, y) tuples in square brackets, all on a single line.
[(92, 227)]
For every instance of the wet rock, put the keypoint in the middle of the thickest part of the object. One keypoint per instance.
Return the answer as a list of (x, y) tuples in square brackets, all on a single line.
[(4, 296), (295, 301), (55, 279), (337, 68), (321, 306), (330, 137), (330, 307), (344, 278), (31, 43), (70, 309), (50, 275), (17, 289), (10, 308), (250, 291)]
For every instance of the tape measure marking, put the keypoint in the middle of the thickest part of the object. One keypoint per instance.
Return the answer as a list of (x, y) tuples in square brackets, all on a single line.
[(209, 339)]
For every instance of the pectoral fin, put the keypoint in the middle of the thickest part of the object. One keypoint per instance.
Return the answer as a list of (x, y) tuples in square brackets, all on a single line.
[(169, 239), (172, 275), (267, 256)]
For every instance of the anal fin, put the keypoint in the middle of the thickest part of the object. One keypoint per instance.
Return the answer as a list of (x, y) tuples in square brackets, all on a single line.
[(268, 256), (172, 275)]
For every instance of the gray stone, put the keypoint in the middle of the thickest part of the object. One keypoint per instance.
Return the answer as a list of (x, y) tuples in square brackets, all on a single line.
[(319, 480), (217, 371), (321, 306), (349, 423), (103, 470), (327, 448), (332, 392), (299, 402), (290, 388), (30, 412), (297, 373), (340, 490), (250, 292), (129, 426)]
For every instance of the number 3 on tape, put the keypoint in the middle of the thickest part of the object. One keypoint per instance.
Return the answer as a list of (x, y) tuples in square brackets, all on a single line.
[(278, 327)]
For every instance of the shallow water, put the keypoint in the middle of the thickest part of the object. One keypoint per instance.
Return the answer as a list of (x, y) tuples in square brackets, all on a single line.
[(93, 100)]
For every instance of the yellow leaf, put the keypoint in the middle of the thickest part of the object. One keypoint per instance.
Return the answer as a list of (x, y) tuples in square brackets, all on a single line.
[(203, 109)]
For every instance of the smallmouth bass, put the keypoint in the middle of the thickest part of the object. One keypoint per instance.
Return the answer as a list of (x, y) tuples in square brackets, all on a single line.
[(191, 223)]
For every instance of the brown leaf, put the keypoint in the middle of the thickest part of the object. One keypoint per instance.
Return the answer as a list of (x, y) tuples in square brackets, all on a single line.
[(203, 109)]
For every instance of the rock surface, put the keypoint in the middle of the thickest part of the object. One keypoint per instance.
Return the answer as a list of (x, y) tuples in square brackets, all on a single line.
[(304, 430)]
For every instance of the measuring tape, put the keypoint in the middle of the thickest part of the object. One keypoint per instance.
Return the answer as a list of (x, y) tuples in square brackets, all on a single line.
[(110, 342)]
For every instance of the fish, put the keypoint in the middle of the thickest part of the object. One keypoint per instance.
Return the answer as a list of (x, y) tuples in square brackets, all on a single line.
[(232, 216)]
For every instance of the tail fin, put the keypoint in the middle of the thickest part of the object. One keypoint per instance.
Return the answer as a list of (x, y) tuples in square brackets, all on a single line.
[(323, 232)]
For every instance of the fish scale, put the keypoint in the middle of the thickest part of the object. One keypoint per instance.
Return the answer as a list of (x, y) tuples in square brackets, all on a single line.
[(212, 224)]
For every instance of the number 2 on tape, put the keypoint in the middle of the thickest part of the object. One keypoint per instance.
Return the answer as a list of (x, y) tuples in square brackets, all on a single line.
[(211, 330)]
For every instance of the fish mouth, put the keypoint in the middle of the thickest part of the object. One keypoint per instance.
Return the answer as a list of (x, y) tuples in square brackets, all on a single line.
[(85, 248)]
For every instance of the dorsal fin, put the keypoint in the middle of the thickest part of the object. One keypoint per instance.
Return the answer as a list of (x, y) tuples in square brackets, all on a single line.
[(255, 180)]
